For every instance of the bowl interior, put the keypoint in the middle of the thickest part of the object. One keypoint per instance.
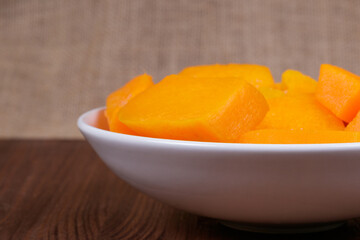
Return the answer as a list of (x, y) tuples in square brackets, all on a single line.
[(96, 118)]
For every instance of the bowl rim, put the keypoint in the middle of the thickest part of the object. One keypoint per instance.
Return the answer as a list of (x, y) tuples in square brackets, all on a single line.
[(210, 146)]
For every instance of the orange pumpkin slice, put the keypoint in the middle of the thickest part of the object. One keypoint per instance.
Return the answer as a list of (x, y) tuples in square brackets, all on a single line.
[(354, 125), (300, 111), (257, 75), (282, 136), (118, 99), (198, 109), (339, 91), (295, 81)]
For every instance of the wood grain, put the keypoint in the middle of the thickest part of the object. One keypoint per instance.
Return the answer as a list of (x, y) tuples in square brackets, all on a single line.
[(61, 190)]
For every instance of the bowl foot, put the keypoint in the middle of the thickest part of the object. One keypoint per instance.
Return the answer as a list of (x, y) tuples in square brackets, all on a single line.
[(283, 229)]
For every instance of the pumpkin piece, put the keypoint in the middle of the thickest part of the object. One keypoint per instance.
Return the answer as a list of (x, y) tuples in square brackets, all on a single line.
[(295, 81), (257, 75), (198, 109), (116, 100), (301, 111), (279, 86), (270, 92), (354, 125), (282, 136), (339, 91)]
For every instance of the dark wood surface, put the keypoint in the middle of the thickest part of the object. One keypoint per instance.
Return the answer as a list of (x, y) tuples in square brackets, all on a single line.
[(62, 190)]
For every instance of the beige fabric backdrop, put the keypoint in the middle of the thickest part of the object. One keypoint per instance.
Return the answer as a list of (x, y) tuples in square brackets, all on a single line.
[(61, 58)]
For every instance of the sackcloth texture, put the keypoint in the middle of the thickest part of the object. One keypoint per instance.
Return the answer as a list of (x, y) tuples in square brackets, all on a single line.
[(59, 59)]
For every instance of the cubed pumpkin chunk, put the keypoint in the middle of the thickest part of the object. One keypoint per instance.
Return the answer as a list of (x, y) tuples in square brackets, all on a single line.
[(300, 111), (270, 92), (354, 125), (282, 136), (279, 86), (295, 81), (257, 75), (339, 91), (116, 100), (198, 109)]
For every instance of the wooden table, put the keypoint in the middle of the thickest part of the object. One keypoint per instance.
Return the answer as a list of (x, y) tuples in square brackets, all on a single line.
[(60, 189)]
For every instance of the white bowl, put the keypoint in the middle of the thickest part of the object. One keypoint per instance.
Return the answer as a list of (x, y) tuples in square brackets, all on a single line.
[(252, 183)]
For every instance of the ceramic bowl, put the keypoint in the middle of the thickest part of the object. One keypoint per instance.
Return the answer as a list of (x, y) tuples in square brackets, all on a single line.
[(250, 184)]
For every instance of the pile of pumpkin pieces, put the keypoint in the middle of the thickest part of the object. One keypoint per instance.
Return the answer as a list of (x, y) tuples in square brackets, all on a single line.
[(240, 103)]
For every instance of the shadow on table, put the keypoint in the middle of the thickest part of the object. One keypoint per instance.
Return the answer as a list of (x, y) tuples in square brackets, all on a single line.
[(212, 229)]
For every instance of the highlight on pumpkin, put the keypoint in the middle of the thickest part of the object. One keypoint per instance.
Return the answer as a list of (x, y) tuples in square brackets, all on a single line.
[(240, 103)]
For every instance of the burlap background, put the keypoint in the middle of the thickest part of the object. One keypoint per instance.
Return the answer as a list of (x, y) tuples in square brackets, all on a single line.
[(61, 58)]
